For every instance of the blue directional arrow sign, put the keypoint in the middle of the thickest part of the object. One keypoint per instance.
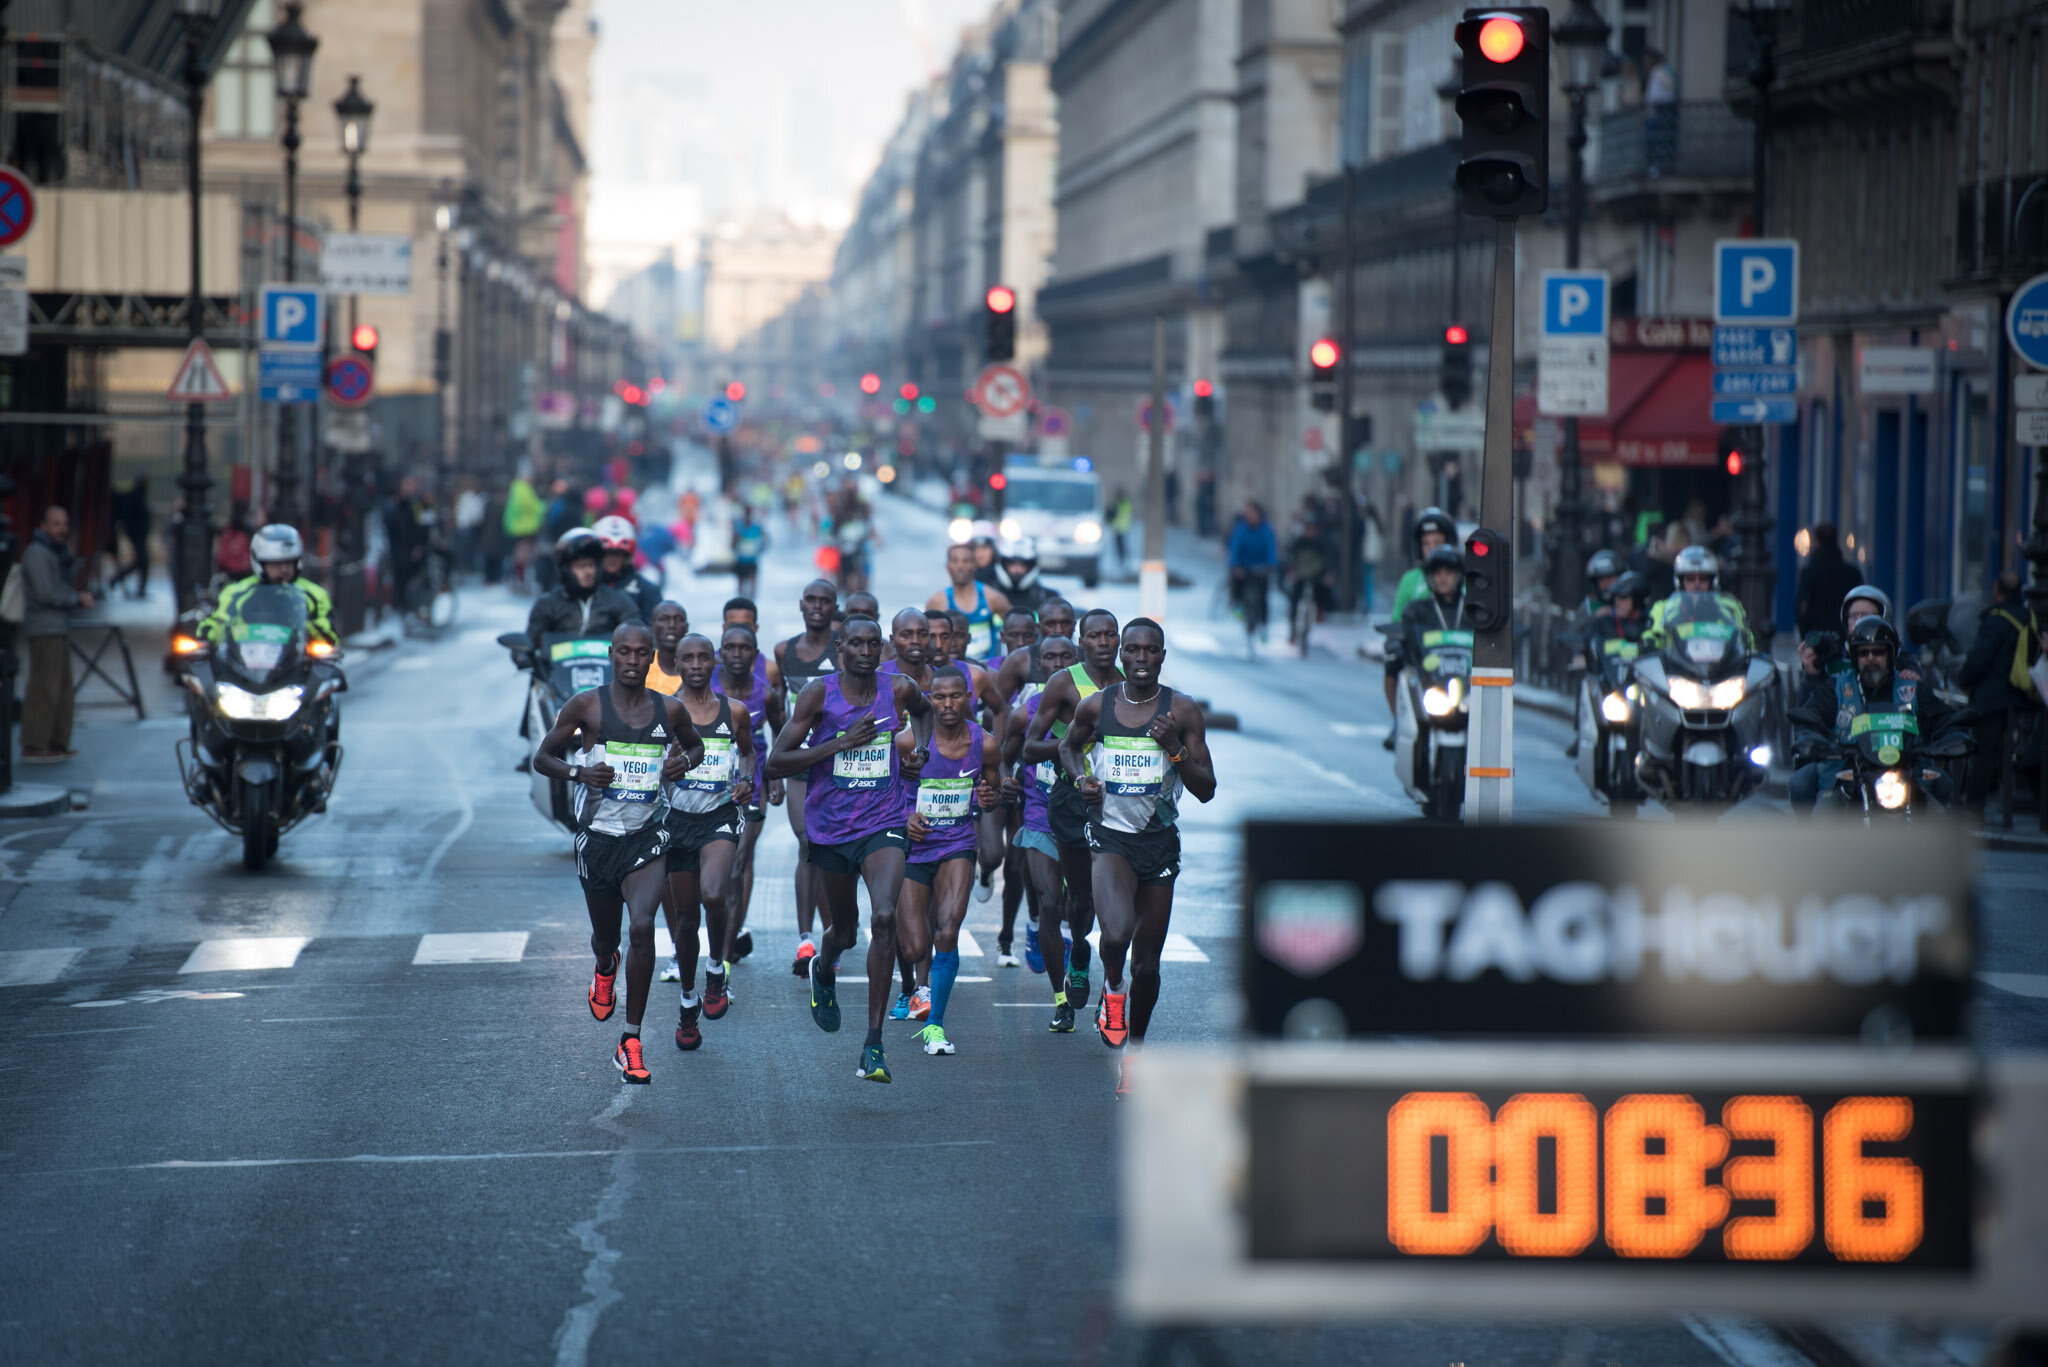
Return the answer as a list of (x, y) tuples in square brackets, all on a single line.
[(2026, 322), (1731, 412), (1748, 383), (721, 415)]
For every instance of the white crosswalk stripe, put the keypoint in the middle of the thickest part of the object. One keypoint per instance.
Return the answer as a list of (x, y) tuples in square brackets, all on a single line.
[(486, 947), (30, 967), (1178, 949), (245, 956)]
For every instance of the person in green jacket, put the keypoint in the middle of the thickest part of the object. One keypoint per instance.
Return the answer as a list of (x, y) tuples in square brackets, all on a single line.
[(525, 513), (1433, 528), (1697, 571), (276, 551)]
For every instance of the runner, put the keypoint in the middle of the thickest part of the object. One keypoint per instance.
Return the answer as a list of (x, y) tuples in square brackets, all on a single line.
[(861, 603), (1020, 629), (1066, 814), (1022, 675), (1131, 751), (910, 646), (742, 673), (671, 624), (1020, 633), (704, 835), (840, 732), (640, 740), (989, 604), (741, 612), (800, 659), (1037, 856), (951, 627), (962, 773)]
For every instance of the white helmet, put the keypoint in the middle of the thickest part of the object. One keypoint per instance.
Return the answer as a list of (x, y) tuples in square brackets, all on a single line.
[(616, 533), (278, 541), (1696, 560)]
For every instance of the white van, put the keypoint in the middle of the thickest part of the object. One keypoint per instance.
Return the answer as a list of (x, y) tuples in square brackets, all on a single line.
[(1061, 507)]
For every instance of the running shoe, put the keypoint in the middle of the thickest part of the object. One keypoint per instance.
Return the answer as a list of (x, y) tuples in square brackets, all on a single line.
[(1006, 956), (933, 1037), (1034, 958), (671, 972), (1123, 1077), (688, 1036), (824, 1002), (626, 1058), (742, 946), (873, 1067), (1109, 1019), (921, 1004), (901, 1010), (1062, 1022), (715, 999), (804, 954), (985, 886), (603, 999), (1077, 986)]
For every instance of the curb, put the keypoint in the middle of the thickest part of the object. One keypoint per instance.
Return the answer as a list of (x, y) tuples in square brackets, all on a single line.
[(27, 800)]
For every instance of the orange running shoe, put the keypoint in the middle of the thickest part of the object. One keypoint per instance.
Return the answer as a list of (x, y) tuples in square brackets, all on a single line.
[(626, 1058), (804, 953), (921, 1004), (1109, 1019), (604, 999)]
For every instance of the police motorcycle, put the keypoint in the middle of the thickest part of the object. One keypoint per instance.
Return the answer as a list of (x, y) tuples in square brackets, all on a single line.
[(1610, 724), (563, 667), (263, 753), (1889, 770), (1704, 703), (1431, 710)]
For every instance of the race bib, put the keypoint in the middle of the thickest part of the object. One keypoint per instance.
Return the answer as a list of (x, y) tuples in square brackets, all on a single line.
[(945, 801), (1048, 774), (636, 769), (1626, 650), (1131, 766), (1452, 664), (866, 767), (714, 774)]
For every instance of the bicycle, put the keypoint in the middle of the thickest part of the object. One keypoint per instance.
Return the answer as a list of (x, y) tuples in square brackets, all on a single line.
[(1251, 589)]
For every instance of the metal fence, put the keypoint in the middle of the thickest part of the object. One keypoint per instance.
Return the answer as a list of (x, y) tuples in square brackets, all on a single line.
[(1694, 139)]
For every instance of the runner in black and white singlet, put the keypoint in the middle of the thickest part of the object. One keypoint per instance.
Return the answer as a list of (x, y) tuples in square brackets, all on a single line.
[(1032, 845), (812, 654), (1132, 749), (744, 673), (639, 740)]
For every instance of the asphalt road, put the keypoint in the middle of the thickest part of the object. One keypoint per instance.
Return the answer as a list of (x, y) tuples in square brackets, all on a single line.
[(264, 1118)]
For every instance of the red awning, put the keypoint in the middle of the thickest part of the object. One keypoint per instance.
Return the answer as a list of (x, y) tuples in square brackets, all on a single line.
[(1659, 406)]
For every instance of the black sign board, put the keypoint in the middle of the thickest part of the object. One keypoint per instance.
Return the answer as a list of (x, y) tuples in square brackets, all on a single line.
[(1686, 930)]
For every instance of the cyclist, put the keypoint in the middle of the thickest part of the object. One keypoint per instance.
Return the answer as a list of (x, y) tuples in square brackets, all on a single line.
[(1252, 557)]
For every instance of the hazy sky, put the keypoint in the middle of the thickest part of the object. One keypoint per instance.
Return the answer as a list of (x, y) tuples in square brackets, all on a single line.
[(763, 103)]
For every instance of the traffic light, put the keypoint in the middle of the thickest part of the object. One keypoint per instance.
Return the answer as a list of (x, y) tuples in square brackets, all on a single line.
[(1205, 401), (1323, 355), (1489, 579), (735, 391), (1000, 309), (1454, 376), (1731, 450), (363, 338), (927, 405), (444, 355), (1504, 105), (871, 383), (907, 392)]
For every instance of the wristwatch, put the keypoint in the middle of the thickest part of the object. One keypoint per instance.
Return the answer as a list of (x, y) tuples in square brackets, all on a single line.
[(1176, 759), (575, 773)]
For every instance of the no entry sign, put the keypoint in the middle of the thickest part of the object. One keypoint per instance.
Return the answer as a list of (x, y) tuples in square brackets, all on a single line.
[(17, 206)]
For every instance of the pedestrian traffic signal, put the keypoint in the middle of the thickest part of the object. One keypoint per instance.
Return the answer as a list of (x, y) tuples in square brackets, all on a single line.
[(1454, 375), (735, 391), (1731, 450), (1489, 580), (871, 383), (1504, 107), (1205, 401), (1323, 355), (907, 392), (1000, 322), (364, 339)]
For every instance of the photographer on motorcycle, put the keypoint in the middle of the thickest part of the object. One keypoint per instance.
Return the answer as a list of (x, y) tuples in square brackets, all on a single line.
[(1623, 618), (1874, 677), (1442, 607), (1697, 571), (1433, 528), (581, 605), (275, 551), (620, 541)]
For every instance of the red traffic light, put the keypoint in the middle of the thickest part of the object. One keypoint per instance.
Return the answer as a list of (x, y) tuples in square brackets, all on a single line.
[(1501, 39), (999, 480), (1481, 548), (735, 391), (1456, 336), (871, 383), (364, 338), (1001, 299), (1323, 354), (907, 392), (1735, 462), (1203, 389)]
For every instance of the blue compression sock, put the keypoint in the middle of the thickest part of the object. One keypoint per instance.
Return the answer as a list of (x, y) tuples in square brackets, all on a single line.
[(945, 968)]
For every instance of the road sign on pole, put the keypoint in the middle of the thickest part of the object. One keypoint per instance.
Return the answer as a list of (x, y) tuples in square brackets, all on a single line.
[(350, 380), (1756, 280), (293, 316), (1571, 363), (1756, 347), (1000, 391), (2026, 322), (289, 375), (17, 206), (721, 415), (198, 379)]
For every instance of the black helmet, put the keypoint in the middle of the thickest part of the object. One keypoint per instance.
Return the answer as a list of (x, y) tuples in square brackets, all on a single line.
[(1434, 519), (1873, 631), (1443, 558), (1871, 593), (1604, 565), (1629, 585), (578, 543)]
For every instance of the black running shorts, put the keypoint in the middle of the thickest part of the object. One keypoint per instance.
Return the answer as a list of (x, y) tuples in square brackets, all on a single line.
[(850, 855), (603, 861), (1067, 814), (1154, 855), (690, 832)]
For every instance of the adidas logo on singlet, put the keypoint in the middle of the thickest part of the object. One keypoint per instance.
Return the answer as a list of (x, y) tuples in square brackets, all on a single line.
[(658, 733)]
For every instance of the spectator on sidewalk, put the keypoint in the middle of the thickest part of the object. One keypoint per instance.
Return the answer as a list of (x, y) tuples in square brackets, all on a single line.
[(131, 515), (231, 548), (1372, 545), (2006, 628), (1120, 518), (50, 595), (1825, 581)]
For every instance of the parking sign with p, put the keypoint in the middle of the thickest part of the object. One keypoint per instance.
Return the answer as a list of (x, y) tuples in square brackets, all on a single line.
[(291, 316), (1756, 280), (1575, 303)]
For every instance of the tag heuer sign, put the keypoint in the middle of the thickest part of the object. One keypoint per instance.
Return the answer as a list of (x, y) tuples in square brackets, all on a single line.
[(1309, 927)]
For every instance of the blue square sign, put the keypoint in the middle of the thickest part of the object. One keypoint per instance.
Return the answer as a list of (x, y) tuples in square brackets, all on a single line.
[(1756, 280), (1575, 303), (291, 316)]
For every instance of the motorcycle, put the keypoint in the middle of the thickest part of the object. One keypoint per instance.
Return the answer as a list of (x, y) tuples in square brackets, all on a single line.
[(263, 753), (1610, 725), (1430, 713), (563, 667), (1704, 701), (1887, 769)]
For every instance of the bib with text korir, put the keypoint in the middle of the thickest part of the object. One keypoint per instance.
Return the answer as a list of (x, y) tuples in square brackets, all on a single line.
[(945, 802)]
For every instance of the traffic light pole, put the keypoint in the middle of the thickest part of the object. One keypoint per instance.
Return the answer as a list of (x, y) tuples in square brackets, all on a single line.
[(1152, 569), (1347, 475), (1489, 756)]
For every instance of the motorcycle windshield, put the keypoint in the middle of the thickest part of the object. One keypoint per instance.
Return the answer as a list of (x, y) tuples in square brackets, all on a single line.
[(266, 633), (577, 663), (1882, 737), (1445, 653), (1700, 640)]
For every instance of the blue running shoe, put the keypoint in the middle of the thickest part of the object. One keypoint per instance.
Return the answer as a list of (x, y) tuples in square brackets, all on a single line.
[(873, 1067), (824, 1002), (1034, 958), (901, 1010)]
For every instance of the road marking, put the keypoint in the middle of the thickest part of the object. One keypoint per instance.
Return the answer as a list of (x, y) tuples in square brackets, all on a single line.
[(958, 981), (572, 1338), (485, 947), (1178, 949), (1355, 731), (1196, 640), (665, 948), (970, 948), (2020, 984), (244, 956), (31, 967)]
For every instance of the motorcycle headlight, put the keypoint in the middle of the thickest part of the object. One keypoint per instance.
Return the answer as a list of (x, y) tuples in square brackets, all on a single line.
[(1614, 707), (1686, 693), (242, 705), (1438, 702), (1088, 533), (960, 529), (1726, 694), (1891, 790)]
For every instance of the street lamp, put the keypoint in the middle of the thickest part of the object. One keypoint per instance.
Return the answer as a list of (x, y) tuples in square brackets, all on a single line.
[(444, 341), (1755, 577), (354, 109), (291, 55), (1582, 37), (195, 541)]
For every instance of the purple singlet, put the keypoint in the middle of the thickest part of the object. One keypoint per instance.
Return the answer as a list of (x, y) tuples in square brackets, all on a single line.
[(945, 794), (855, 793), (756, 704), (1035, 818)]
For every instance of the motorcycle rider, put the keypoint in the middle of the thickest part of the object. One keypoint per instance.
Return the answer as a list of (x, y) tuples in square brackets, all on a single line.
[(1820, 654), (1443, 607), (1875, 677), (275, 550), (1623, 618), (581, 605), (1601, 573), (620, 541), (1697, 571), (1433, 528), (1017, 573)]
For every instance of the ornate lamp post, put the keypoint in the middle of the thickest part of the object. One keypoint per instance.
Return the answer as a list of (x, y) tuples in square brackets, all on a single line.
[(291, 53), (195, 540), (1583, 39), (353, 110), (1756, 578)]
